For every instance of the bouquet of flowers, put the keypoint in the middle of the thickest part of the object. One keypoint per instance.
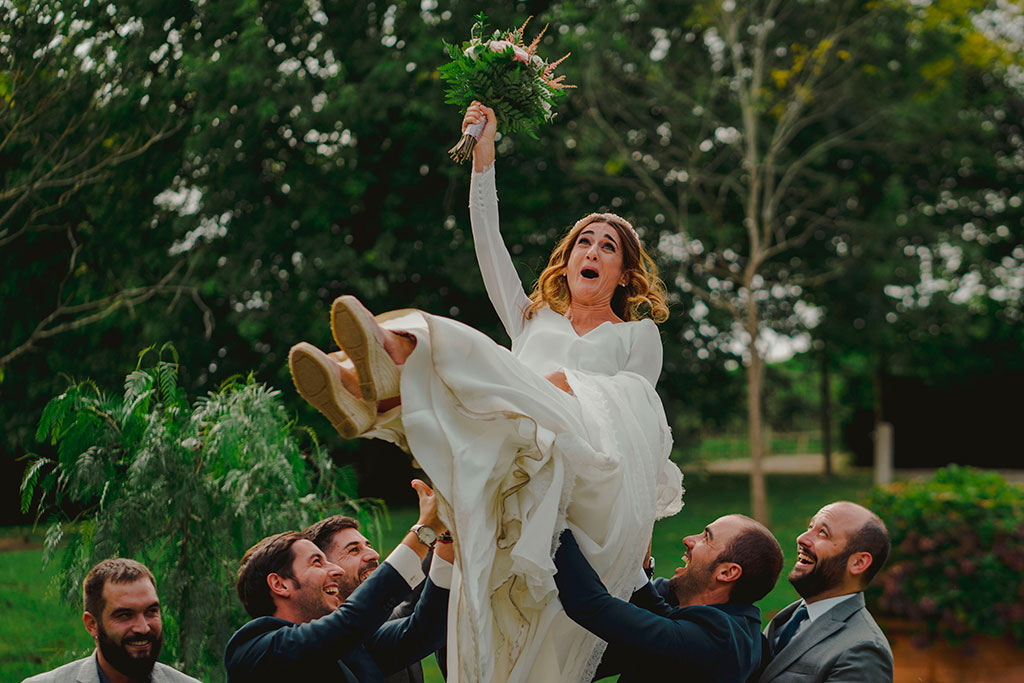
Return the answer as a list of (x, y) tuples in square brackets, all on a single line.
[(505, 74)]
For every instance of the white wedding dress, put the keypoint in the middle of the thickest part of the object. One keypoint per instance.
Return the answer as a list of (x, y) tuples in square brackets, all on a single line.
[(515, 460)]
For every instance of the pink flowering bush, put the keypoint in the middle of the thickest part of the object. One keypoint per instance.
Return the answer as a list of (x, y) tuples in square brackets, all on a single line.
[(957, 561)]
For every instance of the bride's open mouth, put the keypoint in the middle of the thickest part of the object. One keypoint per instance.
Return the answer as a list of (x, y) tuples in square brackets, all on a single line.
[(590, 273)]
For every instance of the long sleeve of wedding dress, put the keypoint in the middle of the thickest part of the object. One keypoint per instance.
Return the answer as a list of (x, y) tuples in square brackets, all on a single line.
[(504, 288)]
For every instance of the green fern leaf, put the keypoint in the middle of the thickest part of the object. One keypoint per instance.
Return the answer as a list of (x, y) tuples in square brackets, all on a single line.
[(28, 482)]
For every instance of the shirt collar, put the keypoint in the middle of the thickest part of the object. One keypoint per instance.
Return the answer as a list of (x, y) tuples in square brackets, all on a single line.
[(99, 670), (818, 608)]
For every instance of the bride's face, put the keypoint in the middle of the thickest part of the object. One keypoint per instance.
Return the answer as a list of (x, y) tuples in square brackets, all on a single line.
[(594, 269)]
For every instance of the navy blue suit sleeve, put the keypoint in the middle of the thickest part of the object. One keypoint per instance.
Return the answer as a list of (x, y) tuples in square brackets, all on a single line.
[(401, 642), (648, 597), (588, 603), (329, 637), (664, 588)]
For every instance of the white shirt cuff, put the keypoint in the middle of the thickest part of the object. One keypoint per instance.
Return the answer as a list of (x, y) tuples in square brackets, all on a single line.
[(640, 580), (406, 562), (441, 572)]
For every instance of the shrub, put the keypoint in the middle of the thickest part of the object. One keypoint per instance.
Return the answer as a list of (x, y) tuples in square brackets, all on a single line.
[(957, 561), (183, 489)]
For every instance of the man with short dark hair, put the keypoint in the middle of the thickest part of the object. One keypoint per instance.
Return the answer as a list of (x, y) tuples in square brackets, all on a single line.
[(122, 614), (302, 628), (344, 545), (713, 634), (829, 635)]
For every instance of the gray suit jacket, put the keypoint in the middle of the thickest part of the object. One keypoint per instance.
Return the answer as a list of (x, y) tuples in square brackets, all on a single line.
[(844, 644), (84, 671)]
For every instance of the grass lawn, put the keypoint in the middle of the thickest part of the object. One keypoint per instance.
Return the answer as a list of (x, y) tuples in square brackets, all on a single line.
[(728, 447), (37, 630)]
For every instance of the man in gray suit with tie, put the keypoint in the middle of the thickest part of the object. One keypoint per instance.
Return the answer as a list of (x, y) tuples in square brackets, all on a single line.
[(829, 635), (122, 614)]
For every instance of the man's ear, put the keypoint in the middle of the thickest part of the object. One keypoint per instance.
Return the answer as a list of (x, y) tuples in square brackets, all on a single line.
[(727, 572), (278, 585), (91, 625), (858, 563)]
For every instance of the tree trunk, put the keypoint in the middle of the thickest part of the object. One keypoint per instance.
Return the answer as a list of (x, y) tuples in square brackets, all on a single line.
[(876, 386), (755, 430), (826, 410)]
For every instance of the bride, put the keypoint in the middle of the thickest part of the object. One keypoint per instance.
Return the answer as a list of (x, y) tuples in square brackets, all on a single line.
[(564, 430)]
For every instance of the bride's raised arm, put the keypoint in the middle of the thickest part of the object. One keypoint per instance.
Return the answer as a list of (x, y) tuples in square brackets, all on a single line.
[(504, 288)]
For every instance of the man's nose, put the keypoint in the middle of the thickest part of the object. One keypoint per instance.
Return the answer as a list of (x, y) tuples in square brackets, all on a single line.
[(334, 570), (140, 624)]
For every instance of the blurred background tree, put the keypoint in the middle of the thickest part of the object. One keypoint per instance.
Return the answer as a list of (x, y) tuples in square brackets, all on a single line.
[(767, 147)]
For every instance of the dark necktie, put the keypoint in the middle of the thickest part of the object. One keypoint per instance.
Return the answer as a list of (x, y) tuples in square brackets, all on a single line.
[(790, 629)]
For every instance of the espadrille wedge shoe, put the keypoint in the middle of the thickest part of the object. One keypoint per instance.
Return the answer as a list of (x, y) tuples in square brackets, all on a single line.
[(317, 378), (355, 332)]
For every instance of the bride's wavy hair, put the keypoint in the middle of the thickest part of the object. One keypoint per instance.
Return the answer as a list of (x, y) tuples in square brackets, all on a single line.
[(642, 297)]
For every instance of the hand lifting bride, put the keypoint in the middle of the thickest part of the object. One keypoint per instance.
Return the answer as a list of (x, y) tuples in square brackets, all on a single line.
[(564, 430)]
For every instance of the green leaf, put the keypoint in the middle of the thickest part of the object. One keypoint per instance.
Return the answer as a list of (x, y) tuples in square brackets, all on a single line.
[(28, 482)]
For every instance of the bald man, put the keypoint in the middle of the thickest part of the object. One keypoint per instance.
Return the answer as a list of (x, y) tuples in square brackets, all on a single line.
[(828, 635)]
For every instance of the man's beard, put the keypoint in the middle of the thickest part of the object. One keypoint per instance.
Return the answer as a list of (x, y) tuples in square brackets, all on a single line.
[(117, 654), (690, 583), (311, 605), (827, 573), (346, 586)]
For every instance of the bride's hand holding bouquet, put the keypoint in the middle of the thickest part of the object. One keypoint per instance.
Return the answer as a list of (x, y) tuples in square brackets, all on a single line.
[(486, 121)]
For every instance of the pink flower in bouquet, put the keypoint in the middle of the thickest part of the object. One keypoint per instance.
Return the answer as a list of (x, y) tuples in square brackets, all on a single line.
[(518, 53), (499, 45)]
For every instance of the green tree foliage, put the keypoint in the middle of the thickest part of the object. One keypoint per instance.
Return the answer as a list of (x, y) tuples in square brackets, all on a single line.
[(930, 285), (74, 126), (779, 148), (186, 489), (721, 122), (90, 120)]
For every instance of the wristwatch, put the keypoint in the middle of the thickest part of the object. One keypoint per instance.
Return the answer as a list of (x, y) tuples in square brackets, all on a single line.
[(649, 569), (425, 534)]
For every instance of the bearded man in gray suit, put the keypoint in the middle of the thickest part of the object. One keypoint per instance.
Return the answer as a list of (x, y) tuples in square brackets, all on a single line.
[(829, 635), (122, 614)]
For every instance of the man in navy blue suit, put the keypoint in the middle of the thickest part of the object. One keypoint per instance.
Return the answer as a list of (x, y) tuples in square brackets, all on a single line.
[(712, 633), (302, 628), (344, 545)]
